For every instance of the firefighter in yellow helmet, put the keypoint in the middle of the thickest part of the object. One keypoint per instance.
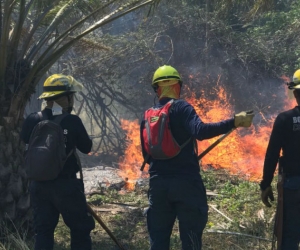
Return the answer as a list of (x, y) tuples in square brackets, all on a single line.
[(62, 194), (60, 88), (170, 81), (176, 188), (285, 138)]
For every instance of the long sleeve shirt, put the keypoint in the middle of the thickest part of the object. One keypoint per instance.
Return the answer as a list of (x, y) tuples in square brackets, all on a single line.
[(75, 137), (285, 137), (185, 124)]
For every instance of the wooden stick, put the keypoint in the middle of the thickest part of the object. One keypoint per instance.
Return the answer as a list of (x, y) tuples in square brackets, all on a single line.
[(97, 218), (214, 144)]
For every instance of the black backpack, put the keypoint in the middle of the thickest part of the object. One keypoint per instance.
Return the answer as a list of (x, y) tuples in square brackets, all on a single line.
[(46, 154)]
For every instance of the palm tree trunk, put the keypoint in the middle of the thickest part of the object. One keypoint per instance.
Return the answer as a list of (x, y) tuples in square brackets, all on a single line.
[(14, 197)]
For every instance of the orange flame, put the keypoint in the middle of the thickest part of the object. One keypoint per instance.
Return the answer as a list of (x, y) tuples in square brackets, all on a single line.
[(129, 164), (241, 153)]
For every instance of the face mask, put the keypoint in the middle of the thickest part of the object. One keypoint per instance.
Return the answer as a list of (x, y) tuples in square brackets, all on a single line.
[(64, 102), (56, 109), (172, 91)]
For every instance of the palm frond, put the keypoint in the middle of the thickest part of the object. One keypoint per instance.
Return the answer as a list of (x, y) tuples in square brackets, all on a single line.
[(7, 11), (87, 43), (45, 62), (61, 37), (16, 33), (61, 14), (40, 5), (59, 45), (31, 31), (153, 6), (260, 6)]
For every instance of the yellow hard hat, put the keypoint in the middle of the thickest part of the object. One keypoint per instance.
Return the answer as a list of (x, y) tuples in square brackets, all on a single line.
[(295, 84), (164, 73), (58, 84)]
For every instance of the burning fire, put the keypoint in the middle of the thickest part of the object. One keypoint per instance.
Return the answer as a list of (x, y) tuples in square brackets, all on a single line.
[(130, 164), (241, 153)]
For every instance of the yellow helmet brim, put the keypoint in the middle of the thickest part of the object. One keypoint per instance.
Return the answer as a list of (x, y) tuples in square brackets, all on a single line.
[(50, 94), (292, 85), (297, 86)]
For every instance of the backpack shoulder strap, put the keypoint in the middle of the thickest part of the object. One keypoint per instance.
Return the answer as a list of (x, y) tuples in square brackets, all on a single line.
[(78, 162), (73, 150), (173, 102), (57, 119), (171, 105), (145, 162), (42, 115)]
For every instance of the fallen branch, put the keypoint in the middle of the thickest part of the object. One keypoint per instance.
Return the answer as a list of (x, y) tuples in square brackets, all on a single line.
[(213, 207), (94, 193), (236, 233)]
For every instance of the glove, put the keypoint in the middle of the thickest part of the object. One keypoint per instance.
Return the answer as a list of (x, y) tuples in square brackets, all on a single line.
[(266, 195), (243, 119)]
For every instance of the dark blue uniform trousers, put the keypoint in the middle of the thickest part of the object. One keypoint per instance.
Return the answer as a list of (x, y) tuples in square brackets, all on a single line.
[(174, 197), (291, 219), (49, 199)]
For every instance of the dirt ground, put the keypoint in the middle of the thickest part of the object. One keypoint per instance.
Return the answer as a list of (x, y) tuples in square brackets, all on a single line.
[(98, 172), (99, 176)]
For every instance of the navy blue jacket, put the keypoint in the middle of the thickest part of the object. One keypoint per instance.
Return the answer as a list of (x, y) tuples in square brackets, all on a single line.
[(75, 136), (185, 124), (285, 136)]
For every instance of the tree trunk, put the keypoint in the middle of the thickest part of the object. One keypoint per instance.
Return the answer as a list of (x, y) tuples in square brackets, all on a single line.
[(14, 196)]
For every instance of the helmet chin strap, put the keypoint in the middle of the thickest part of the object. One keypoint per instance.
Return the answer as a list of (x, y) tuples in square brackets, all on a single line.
[(70, 103), (155, 98)]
